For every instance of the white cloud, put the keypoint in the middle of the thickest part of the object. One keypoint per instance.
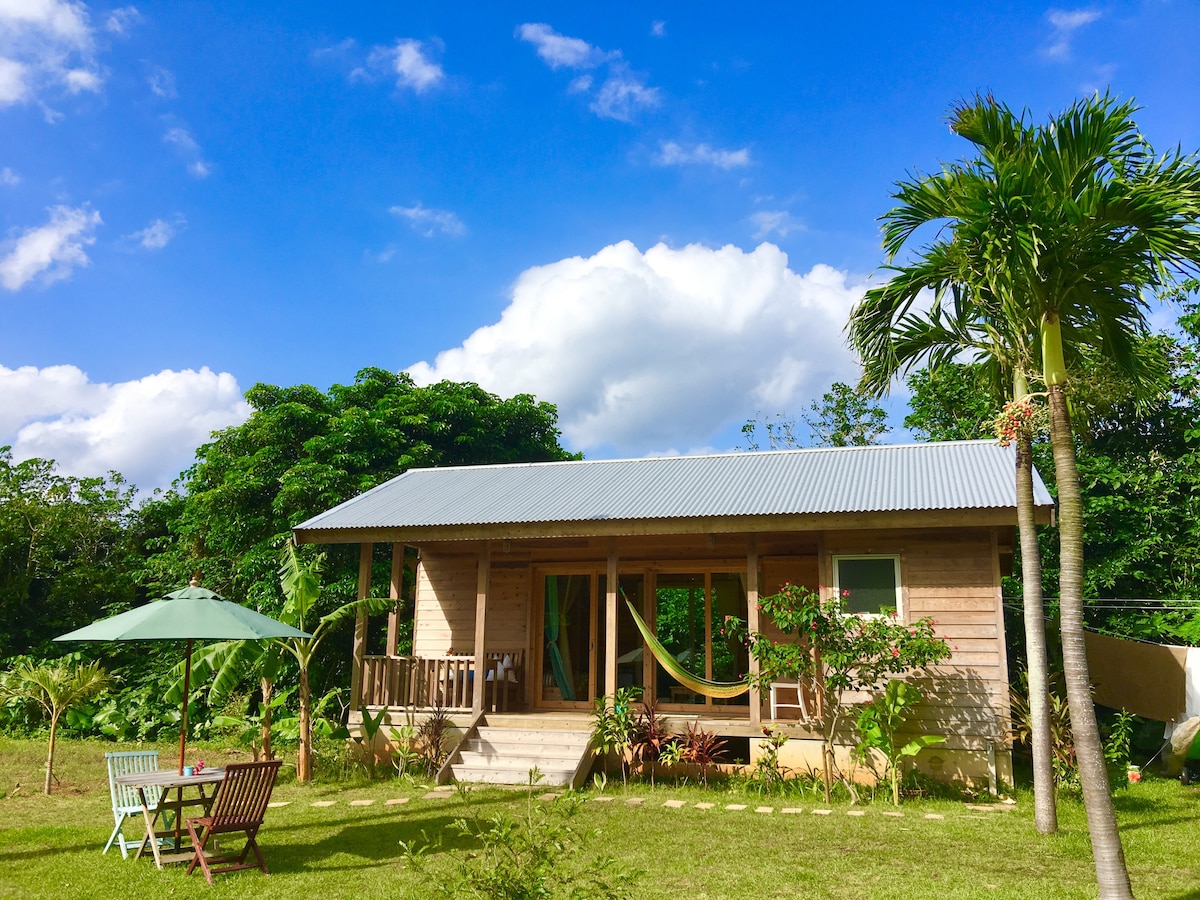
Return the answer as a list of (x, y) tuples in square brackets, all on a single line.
[(658, 29), (673, 154), (430, 222), (9, 178), (162, 83), (651, 351), (148, 429), (45, 44), (119, 21), (773, 221), (1065, 22), (411, 65), (621, 97), (157, 234), (558, 50), (189, 150), (580, 84), (50, 251)]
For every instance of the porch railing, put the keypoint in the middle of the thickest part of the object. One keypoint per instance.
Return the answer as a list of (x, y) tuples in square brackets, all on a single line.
[(418, 682)]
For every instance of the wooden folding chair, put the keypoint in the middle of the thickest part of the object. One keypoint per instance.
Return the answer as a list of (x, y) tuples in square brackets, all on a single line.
[(240, 805)]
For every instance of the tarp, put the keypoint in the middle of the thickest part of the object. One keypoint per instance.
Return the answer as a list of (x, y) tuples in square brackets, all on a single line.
[(1148, 680)]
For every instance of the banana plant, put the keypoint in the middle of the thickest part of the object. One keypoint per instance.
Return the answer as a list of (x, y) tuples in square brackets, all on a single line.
[(879, 724)]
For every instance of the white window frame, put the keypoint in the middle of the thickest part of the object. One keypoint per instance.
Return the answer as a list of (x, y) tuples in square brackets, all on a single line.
[(894, 557)]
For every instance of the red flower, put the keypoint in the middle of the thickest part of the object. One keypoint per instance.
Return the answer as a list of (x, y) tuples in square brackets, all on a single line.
[(895, 652)]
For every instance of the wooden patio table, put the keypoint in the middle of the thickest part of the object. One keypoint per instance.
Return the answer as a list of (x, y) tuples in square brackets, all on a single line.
[(170, 780)]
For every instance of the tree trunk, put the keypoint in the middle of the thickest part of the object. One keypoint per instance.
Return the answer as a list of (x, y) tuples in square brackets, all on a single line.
[(1111, 875), (1045, 811), (50, 755), (268, 751), (304, 752)]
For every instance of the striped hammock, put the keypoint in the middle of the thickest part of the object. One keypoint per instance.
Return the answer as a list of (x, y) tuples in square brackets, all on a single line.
[(718, 689)]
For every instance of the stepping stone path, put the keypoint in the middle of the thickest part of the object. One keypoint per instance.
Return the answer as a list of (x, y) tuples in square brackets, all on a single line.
[(791, 810), (764, 809), (549, 797), (324, 803), (705, 805), (636, 801), (822, 812), (856, 812), (735, 806), (277, 804), (361, 802), (437, 795), (673, 804), (602, 799), (894, 815), (934, 816), (395, 801)]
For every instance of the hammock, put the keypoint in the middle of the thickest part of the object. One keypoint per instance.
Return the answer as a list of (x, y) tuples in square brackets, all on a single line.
[(717, 689)]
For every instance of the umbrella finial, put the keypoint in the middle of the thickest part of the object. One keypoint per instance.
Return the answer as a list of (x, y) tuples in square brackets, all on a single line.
[(195, 582)]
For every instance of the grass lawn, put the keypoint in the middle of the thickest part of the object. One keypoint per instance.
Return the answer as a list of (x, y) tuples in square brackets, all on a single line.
[(50, 846)]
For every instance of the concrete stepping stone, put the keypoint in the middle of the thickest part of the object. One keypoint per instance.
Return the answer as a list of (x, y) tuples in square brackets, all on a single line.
[(437, 795), (549, 796), (894, 815), (856, 812), (822, 812), (361, 802), (636, 801), (791, 810), (934, 816), (324, 803), (734, 807), (673, 804), (395, 801), (603, 799), (705, 805), (981, 807), (764, 809), (276, 804)]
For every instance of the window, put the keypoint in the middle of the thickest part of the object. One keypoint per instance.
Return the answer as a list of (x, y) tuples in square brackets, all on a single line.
[(868, 585)]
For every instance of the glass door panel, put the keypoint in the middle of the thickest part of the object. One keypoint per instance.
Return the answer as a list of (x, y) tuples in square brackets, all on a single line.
[(568, 623), (680, 624), (729, 657)]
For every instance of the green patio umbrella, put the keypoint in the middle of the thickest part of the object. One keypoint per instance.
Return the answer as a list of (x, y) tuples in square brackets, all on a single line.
[(191, 613)]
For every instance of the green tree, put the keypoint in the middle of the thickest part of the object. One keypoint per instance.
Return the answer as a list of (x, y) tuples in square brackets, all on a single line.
[(1070, 222), (954, 402), (56, 689), (845, 418)]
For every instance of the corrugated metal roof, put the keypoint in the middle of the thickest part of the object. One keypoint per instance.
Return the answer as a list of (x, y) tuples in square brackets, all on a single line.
[(937, 476)]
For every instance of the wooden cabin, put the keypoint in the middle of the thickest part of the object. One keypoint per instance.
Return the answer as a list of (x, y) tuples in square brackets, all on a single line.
[(522, 574)]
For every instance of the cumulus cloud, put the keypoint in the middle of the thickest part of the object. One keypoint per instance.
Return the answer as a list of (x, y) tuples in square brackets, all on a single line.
[(157, 234), (622, 96), (9, 178), (189, 150), (560, 51), (45, 45), (1064, 23), (148, 429), (48, 252), (409, 61), (673, 154), (430, 222), (661, 350)]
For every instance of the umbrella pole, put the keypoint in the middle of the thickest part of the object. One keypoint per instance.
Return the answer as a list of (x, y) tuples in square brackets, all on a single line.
[(187, 687)]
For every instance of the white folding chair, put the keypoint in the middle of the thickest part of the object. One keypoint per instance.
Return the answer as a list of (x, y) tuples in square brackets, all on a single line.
[(125, 803)]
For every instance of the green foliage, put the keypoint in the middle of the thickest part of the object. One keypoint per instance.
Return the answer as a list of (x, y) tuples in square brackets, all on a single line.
[(953, 403), (614, 725), (845, 417), (535, 855), (767, 776), (1062, 742), (879, 725)]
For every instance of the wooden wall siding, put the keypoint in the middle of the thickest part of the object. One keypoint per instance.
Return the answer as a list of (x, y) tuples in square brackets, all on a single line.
[(445, 606)]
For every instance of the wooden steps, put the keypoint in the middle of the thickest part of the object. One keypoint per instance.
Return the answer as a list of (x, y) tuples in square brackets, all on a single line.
[(503, 749)]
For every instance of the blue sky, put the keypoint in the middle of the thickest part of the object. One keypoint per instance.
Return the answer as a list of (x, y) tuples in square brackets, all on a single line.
[(654, 215)]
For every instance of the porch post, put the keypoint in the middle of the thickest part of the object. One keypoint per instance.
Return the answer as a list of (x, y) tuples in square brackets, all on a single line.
[(481, 594), (610, 623), (394, 591), (752, 625), (358, 655)]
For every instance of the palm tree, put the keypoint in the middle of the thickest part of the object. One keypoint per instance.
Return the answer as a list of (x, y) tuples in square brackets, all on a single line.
[(56, 689), (1061, 228)]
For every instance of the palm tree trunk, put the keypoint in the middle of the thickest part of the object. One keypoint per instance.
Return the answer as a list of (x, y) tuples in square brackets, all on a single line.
[(1111, 875), (50, 755), (304, 752), (268, 685), (1045, 813)]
